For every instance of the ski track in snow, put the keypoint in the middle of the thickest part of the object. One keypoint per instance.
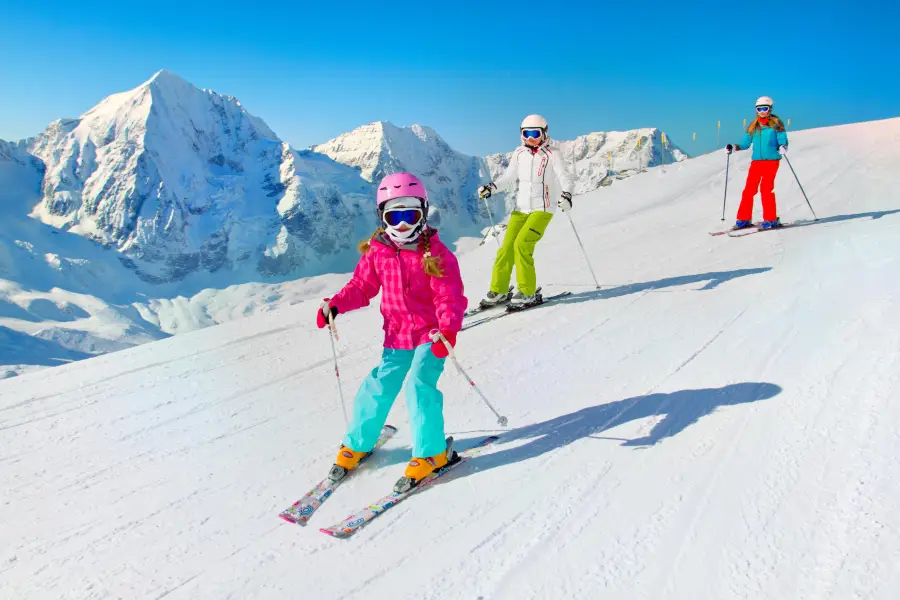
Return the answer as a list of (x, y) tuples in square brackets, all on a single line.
[(720, 423)]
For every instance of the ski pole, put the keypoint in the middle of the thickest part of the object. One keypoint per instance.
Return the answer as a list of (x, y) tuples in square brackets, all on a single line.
[(571, 222), (333, 335), (801, 186), (727, 162), (583, 251), (437, 335), (485, 237), (491, 215)]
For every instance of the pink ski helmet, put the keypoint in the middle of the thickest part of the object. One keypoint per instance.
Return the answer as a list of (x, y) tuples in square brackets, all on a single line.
[(399, 185)]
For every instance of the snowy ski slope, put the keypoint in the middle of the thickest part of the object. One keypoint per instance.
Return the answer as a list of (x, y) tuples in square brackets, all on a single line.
[(718, 422)]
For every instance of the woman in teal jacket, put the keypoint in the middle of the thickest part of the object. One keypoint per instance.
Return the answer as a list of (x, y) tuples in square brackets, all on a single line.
[(769, 140)]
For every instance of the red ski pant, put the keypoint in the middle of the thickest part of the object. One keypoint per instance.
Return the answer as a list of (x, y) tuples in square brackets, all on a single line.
[(762, 178)]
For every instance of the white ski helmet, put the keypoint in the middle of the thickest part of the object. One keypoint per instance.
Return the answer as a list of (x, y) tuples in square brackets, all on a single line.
[(534, 122), (765, 101)]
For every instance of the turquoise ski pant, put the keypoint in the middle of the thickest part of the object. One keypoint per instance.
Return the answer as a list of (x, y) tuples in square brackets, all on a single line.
[(424, 401)]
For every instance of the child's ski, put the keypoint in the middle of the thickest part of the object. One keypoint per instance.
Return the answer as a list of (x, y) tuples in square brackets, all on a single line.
[(354, 522), (301, 511)]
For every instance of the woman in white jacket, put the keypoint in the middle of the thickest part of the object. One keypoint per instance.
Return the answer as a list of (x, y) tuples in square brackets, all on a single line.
[(535, 170)]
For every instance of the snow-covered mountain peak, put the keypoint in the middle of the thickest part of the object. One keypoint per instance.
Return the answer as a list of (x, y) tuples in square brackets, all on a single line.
[(177, 94), (182, 180), (382, 148), (178, 178), (165, 98), (165, 77), (362, 148)]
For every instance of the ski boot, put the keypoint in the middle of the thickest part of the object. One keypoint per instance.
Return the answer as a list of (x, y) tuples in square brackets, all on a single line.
[(345, 462), (419, 468), (520, 300), (775, 224), (495, 299), (742, 224)]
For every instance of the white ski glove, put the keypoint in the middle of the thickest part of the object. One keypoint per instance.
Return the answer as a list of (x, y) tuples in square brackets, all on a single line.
[(565, 201), (782, 150)]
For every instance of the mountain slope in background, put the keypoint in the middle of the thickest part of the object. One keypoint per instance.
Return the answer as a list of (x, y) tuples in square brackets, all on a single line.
[(181, 180), (149, 198), (62, 297), (452, 178)]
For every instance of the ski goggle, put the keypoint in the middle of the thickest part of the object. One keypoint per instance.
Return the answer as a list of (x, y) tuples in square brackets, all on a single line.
[(396, 216), (534, 134), (763, 109)]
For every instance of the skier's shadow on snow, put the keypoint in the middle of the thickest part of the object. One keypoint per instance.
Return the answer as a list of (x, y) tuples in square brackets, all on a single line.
[(839, 218), (714, 279), (679, 411)]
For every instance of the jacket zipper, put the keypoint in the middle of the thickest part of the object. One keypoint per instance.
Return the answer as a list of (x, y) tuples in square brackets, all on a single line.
[(758, 146), (545, 201), (531, 183), (404, 283)]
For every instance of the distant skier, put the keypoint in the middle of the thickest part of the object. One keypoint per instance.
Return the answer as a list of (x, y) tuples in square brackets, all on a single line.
[(533, 169), (421, 291), (769, 139)]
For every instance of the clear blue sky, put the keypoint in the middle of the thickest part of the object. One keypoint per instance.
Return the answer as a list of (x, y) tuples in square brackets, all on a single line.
[(313, 69)]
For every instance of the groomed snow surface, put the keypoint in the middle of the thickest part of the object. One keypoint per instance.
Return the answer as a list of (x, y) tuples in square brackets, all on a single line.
[(719, 421)]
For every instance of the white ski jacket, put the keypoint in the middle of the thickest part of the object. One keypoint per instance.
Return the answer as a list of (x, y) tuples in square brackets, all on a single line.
[(540, 178)]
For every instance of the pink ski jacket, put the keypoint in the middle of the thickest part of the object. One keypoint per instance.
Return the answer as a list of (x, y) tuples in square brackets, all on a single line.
[(412, 302)]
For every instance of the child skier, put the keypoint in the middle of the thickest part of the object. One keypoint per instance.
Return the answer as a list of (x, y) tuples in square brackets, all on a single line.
[(769, 139), (534, 167), (421, 291)]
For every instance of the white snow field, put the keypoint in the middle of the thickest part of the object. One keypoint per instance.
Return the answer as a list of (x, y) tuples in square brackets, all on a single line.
[(719, 421)]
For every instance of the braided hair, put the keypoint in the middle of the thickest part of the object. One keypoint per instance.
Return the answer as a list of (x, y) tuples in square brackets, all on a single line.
[(364, 245), (430, 263)]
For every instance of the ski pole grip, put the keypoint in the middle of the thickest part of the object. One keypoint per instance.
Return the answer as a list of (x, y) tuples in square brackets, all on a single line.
[(326, 309)]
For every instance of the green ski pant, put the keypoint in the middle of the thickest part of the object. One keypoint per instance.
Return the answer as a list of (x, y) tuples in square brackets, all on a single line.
[(522, 234)]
